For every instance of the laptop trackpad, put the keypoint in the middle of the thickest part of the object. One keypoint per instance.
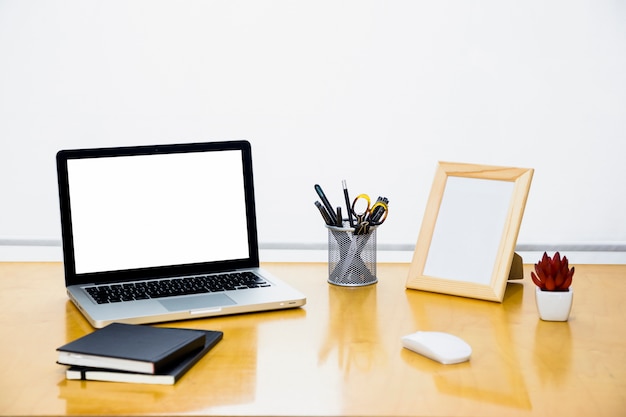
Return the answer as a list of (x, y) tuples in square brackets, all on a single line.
[(197, 302)]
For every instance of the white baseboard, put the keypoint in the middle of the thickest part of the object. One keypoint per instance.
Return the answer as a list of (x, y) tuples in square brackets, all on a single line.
[(528, 257), (9, 253), (53, 253)]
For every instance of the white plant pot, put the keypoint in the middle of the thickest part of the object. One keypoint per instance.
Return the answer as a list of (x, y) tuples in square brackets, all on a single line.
[(554, 305)]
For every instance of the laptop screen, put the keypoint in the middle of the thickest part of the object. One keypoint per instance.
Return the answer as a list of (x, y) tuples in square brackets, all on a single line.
[(137, 209)]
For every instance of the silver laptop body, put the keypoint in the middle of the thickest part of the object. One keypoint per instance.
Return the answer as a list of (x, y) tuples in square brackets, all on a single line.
[(150, 215)]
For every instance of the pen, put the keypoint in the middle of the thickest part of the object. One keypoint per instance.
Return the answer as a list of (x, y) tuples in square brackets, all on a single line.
[(324, 213), (339, 217), (381, 206), (329, 207), (376, 212), (347, 197)]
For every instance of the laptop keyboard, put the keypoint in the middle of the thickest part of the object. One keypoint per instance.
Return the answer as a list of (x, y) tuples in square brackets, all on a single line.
[(160, 288)]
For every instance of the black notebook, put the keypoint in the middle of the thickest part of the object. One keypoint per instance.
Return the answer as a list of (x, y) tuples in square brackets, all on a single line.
[(134, 348), (168, 376)]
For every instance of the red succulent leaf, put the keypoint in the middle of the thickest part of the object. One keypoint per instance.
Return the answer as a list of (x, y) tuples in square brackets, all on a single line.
[(544, 265), (565, 263), (556, 263), (568, 280), (559, 278), (536, 280), (540, 275)]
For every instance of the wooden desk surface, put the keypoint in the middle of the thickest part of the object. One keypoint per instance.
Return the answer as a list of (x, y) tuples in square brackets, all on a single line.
[(340, 354)]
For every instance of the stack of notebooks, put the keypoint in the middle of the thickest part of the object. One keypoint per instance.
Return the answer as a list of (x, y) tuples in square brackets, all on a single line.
[(136, 353)]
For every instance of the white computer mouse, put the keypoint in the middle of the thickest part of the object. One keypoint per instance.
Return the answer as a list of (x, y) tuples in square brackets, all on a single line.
[(441, 347)]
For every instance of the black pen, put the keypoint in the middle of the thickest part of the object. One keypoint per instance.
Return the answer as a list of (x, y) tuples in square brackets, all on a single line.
[(347, 197), (324, 213), (329, 207), (378, 213)]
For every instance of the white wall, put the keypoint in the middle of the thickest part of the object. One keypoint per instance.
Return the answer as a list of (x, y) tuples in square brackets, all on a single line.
[(374, 92)]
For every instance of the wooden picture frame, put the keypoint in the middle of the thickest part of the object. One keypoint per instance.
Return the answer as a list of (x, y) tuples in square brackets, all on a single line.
[(467, 239)]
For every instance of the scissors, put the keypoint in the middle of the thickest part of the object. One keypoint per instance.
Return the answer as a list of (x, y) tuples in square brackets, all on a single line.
[(369, 217)]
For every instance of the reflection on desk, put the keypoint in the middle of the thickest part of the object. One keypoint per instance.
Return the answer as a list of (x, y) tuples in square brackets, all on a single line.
[(352, 333), (500, 380), (339, 355)]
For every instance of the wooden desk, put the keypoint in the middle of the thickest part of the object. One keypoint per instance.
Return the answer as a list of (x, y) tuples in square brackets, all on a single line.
[(340, 354)]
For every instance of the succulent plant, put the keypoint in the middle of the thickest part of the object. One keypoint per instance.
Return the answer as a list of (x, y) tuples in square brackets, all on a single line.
[(553, 274)]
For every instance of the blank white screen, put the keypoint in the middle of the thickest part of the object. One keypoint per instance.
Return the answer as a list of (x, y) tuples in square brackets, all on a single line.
[(157, 210)]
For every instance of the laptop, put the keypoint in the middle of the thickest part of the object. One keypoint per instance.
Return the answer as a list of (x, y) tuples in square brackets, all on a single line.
[(162, 233)]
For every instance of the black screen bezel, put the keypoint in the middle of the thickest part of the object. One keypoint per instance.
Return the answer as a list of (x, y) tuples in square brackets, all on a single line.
[(72, 278)]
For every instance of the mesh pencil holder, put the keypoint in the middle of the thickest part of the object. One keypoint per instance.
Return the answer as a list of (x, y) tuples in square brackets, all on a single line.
[(351, 257)]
